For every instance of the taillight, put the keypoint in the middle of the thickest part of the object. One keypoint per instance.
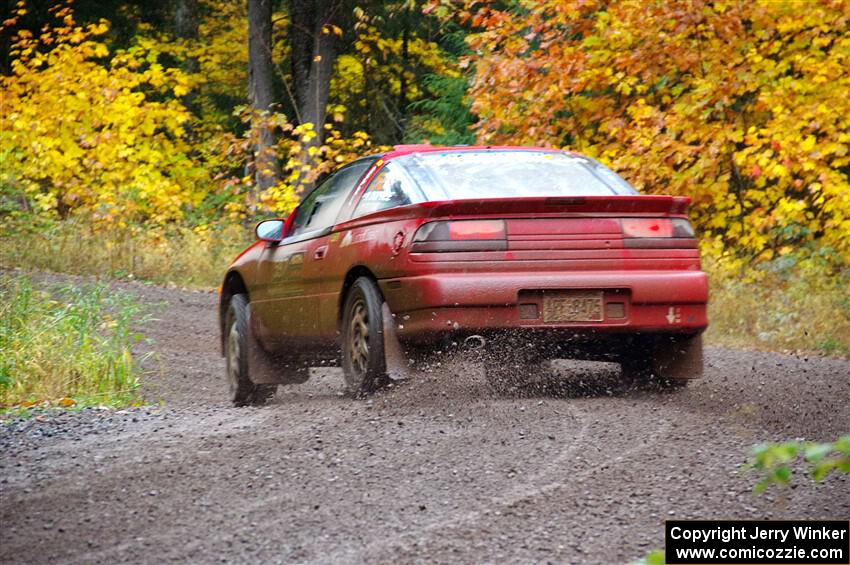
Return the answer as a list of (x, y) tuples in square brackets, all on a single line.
[(662, 227), (639, 227), (657, 232), (477, 230), (461, 235)]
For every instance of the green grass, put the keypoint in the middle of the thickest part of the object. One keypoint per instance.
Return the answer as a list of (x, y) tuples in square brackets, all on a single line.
[(67, 343)]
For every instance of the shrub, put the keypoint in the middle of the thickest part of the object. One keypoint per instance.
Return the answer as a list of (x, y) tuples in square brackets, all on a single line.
[(798, 302), (774, 460), (69, 342)]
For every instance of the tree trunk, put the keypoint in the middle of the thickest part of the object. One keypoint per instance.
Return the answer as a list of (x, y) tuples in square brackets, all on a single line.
[(314, 50), (302, 19), (186, 19), (261, 90), (402, 79)]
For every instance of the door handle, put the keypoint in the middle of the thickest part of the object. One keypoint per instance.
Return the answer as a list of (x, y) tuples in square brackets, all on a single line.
[(320, 252)]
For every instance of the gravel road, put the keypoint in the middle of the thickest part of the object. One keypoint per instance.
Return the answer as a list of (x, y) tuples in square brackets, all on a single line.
[(438, 469)]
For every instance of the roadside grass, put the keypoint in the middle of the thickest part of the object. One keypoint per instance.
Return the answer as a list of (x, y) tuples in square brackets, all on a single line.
[(801, 306), (190, 257), (67, 346)]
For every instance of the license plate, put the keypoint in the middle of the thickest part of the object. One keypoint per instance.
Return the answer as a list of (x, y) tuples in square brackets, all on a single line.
[(573, 307)]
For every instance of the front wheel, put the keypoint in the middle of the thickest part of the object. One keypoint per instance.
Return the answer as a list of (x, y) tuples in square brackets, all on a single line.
[(363, 360), (242, 390)]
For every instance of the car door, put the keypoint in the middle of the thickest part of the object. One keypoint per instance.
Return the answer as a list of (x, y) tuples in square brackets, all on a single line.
[(279, 286), (321, 265), (295, 265)]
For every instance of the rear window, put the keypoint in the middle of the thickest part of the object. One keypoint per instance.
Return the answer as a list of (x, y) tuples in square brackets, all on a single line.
[(464, 175)]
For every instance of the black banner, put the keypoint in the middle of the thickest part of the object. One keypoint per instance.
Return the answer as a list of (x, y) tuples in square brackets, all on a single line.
[(757, 542)]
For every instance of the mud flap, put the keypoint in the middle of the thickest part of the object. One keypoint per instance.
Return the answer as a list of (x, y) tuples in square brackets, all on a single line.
[(397, 366), (679, 360), (264, 368)]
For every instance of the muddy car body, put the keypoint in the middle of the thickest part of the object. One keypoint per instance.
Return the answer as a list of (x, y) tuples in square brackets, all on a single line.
[(532, 254)]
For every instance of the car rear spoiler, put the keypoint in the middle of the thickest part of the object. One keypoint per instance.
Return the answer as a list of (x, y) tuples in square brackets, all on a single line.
[(581, 205), (638, 204)]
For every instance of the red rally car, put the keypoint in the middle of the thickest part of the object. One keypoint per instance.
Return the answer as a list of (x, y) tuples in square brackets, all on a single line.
[(527, 254)]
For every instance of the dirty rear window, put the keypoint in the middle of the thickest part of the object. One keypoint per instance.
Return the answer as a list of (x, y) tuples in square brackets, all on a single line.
[(465, 175)]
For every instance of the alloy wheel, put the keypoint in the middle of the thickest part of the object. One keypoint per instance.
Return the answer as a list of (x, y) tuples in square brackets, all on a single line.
[(359, 337), (233, 359)]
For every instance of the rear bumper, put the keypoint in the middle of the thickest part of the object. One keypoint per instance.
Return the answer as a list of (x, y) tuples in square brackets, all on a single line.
[(430, 306)]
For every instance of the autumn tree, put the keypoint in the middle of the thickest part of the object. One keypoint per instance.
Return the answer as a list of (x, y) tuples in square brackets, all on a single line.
[(400, 80), (314, 33), (741, 105)]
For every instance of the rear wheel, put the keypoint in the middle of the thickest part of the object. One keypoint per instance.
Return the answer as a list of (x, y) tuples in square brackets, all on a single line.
[(241, 390), (363, 360)]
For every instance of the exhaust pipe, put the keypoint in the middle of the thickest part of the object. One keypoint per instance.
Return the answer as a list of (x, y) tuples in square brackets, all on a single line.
[(474, 342)]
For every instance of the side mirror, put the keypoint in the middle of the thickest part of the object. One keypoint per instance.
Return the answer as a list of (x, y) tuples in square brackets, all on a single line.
[(270, 230)]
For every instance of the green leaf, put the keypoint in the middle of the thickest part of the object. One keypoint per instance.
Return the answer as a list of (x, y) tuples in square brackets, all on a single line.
[(782, 475), (817, 451), (655, 557)]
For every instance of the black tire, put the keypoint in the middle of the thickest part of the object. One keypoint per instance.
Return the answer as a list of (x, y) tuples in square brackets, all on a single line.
[(364, 363), (242, 391)]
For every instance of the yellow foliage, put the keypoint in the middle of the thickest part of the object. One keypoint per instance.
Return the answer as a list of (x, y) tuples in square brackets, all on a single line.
[(105, 141), (216, 61), (303, 162), (380, 58)]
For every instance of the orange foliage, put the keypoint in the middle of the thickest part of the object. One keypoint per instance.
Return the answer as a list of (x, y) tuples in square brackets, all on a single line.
[(742, 105)]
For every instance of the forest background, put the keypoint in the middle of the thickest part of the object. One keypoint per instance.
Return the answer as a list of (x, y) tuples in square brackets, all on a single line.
[(142, 139)]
